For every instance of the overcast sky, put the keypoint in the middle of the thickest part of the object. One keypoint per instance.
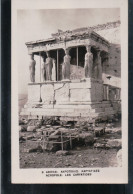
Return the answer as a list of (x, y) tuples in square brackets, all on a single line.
[(40, 24)]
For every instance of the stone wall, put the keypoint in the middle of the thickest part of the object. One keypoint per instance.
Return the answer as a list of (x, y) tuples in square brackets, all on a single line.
[(89, 90), (112, 68)]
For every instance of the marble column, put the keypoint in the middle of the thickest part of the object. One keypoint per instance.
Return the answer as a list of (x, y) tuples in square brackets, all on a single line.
[(32, 68), (66, 66), (88, 62)]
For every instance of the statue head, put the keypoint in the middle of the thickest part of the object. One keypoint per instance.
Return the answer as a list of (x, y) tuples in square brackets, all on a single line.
[(43, 59), (32, 56), (88, 48), (98, 53), (48, 54), (67, 51)]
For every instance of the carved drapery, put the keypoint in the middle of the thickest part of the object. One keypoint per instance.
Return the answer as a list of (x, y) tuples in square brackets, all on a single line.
[(32, 68), (66, 65), (88, 62)]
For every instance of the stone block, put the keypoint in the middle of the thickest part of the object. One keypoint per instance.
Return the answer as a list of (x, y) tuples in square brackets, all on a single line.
[(31, 128), (61, 92), (80, 95), (47, 93), (80, 85), (33, 93), (62, 153), (114, 143)]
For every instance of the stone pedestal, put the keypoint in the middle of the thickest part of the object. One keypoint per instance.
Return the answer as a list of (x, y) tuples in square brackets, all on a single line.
[(67, 99)]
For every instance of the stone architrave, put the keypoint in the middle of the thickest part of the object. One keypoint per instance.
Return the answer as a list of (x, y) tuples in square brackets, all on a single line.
[(49, 66), (32, 68), (99, 66), (88, 62), (66, 66), (44, 70)]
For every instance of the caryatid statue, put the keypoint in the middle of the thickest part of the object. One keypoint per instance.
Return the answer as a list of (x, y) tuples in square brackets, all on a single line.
[(44, 70), (88, 62), (99, 66), (49, 66), (66, 65), (32, 68)]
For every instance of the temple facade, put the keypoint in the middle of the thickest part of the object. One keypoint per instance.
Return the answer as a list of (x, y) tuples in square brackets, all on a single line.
[(73, 80)]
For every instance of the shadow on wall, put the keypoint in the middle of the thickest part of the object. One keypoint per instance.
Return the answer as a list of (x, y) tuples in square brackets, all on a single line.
[(112, 66)]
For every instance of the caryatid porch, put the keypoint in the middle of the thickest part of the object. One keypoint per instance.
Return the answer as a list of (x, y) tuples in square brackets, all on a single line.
[(61, 91)]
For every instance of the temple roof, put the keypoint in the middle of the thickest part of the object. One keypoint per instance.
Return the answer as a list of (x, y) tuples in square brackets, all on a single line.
[(69, 36)]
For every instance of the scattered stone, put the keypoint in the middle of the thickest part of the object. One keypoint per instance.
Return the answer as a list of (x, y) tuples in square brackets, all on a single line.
[(111, 125), (62, 153), (99, 131), (37, 149), (87, 138), (55, 133), (39, 130), (21, 139), (108, 130), (117, 130), (31, 128), (114, 143), (48, 126), (25, 150), (23, 128), (30, 137), (21, 122), (99, 145), (119, 158), (56, 127)]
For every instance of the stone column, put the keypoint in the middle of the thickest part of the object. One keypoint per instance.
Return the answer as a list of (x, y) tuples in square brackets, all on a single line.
[(88, 62), (32, 68), (66, 66)]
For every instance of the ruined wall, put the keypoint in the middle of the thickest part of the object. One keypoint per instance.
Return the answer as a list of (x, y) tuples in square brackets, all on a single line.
[(112, 68)]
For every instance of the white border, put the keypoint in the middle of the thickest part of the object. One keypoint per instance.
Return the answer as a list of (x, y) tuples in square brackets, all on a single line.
[(106, 175)]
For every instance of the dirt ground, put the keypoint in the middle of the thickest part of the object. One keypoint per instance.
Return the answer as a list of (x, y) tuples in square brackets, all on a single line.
[(84, 156)]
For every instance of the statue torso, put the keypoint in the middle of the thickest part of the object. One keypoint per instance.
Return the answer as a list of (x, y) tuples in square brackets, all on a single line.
[(67, 59)]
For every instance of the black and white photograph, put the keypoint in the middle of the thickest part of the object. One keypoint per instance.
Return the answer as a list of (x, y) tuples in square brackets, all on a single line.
[(68, 85)]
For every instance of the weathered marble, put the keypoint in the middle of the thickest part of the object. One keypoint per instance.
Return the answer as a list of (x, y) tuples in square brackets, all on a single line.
[(47, 93), (49, 66), (32, 68), (61, 92), (33, 93), (66, 66), (44, 70), (88, 62)]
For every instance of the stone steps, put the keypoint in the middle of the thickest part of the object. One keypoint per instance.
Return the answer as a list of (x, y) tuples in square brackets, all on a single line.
[(68, 112)]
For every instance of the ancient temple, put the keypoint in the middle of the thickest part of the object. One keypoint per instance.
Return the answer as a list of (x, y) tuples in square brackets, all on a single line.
[(72, 85)]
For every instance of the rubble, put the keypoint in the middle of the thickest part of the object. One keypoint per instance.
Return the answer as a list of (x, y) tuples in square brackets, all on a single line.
[(37, 149), (31, 128), (114, 143), (62, 153), (23, 128), (86, 138), (99, 131)]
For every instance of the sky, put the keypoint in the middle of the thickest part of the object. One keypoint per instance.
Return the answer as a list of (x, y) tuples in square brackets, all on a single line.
[(35, 25)]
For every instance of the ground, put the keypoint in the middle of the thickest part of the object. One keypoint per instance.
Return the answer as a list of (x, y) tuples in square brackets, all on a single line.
[(78, 157)]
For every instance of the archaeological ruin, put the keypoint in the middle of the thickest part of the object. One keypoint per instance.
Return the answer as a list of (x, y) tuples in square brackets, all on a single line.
[(79, 74)]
